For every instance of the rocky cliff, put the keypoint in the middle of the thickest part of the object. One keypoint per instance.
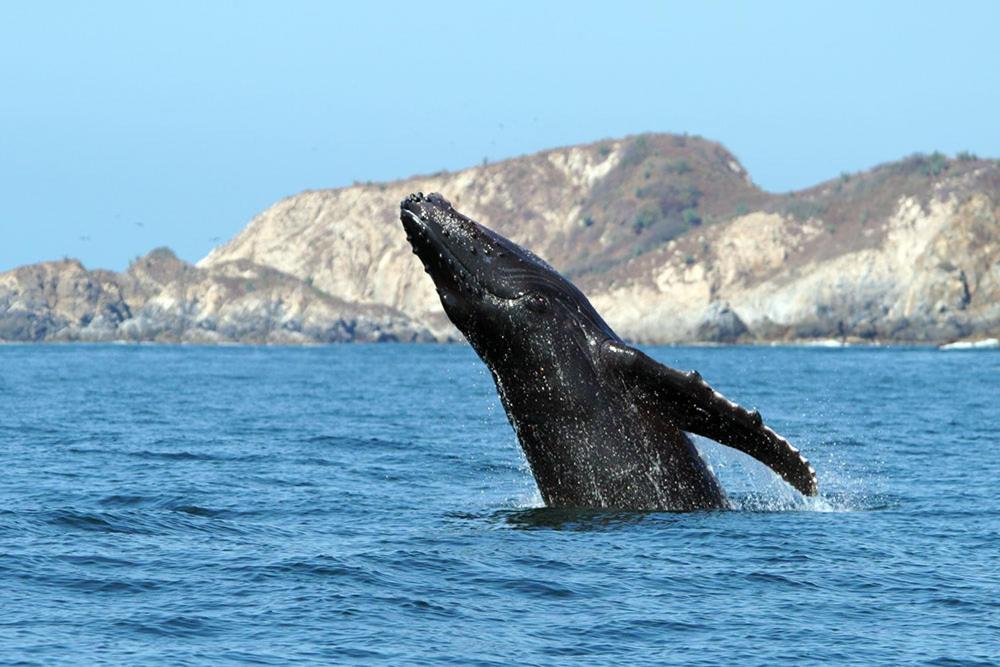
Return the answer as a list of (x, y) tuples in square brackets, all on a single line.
[(161, 298), (667, 234)]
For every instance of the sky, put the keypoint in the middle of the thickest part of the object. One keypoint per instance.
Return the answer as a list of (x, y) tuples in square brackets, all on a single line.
[(127, 126)]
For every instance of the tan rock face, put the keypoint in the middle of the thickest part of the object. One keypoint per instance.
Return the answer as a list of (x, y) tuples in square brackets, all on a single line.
[(161, 298), (349, 243), (895, 254), (666, 234), (931, 276)]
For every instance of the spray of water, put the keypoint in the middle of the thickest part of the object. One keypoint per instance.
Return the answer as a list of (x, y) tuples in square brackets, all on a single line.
[(753, 487)]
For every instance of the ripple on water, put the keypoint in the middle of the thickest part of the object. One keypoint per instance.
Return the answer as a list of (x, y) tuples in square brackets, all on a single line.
[(370, 504), (172, 626)]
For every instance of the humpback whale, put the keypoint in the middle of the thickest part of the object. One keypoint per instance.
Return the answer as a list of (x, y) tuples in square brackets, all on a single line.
[(602, 424)]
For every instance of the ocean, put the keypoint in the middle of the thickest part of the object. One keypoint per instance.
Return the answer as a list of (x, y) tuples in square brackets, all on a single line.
[(369, 504)]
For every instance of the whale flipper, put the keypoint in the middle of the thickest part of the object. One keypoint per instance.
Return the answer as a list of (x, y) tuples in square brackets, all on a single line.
[(693, 406)]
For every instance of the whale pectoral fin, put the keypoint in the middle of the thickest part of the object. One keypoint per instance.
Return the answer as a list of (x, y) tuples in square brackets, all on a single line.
[(694, 406)]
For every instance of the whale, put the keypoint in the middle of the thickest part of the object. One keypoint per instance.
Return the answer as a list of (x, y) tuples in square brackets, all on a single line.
[(602, 424)]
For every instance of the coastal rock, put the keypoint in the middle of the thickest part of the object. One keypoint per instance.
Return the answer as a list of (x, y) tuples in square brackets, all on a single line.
[(666, 234), (658, 228), (161, 298), (720, 324)]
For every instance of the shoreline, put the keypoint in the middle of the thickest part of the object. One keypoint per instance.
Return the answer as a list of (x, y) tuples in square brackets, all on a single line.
[(828, 343)]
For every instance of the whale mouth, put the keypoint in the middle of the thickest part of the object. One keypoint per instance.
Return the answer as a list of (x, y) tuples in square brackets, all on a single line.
[(429, 241)]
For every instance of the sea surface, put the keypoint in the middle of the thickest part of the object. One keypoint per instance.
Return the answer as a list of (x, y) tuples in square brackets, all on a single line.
[(174, 505)]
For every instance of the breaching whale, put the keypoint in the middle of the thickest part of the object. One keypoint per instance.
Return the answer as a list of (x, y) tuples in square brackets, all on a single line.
[(601, 423)]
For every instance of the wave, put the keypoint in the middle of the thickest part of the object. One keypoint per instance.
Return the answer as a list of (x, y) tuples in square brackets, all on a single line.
[(143, 518)]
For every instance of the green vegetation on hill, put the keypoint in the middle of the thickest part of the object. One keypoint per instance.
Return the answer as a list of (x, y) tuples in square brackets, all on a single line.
[(663, 187)]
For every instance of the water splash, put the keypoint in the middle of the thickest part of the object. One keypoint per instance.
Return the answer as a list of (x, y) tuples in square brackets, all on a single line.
[(845, 485)]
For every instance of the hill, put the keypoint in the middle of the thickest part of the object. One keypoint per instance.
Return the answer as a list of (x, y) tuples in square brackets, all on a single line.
[(667, 234)]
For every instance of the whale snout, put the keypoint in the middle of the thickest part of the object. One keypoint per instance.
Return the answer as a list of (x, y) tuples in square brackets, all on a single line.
[(428, 220), (417, 201)]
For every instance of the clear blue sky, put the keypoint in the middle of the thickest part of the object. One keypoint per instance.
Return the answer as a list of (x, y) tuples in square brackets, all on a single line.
[(124, 126)]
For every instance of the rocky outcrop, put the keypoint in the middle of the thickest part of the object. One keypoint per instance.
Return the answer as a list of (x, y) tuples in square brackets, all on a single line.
[(673, 242), (927, 273), (161, 298), (667, 235), (720, 324)]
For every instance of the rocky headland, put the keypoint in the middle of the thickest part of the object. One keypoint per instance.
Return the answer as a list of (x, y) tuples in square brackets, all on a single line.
[(667, 234), (164, 299)]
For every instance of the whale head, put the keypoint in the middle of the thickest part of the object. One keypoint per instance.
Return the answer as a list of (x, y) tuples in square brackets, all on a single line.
[(502, 297)]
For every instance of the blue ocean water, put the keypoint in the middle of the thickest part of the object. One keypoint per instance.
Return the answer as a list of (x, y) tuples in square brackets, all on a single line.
[(369, 504)]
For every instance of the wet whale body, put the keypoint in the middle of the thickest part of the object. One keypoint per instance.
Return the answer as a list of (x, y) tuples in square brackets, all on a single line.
[(601, 423)]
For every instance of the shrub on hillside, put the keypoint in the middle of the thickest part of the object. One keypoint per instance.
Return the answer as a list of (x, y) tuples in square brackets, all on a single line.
[(644, 219), (678, 167), (935, 164), (804, 209), (636, 152), (691, 217)]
